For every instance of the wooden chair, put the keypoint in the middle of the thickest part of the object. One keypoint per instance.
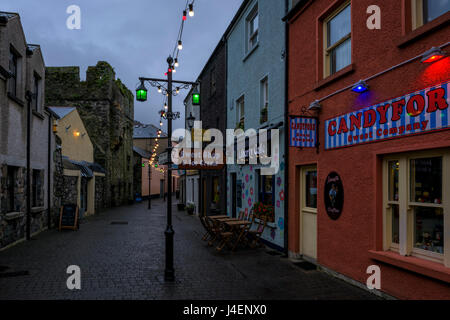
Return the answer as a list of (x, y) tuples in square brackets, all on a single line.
[(207, 229), (241, 215), (214, 230), (255, 235)]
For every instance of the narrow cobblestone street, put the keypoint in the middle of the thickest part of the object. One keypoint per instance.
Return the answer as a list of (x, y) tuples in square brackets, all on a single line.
[(126, 261)]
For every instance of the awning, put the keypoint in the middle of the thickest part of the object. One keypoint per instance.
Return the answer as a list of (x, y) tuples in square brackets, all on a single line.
[(87, 169)]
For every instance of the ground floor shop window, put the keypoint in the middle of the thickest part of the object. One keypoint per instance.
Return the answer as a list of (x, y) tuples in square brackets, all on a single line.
[(417, 205)]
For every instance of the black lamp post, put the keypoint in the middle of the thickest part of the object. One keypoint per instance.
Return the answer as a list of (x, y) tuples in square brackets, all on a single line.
[(141, 95), (190, 121)]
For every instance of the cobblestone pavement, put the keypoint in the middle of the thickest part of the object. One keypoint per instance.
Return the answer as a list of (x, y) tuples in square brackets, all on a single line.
[(126, 261)]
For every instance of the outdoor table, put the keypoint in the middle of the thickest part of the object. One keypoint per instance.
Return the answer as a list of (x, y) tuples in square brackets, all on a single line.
[(218, 217), (236, 226)]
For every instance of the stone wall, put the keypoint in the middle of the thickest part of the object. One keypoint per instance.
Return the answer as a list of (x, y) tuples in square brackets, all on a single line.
[(70, 190), (100, 191), (106, 107)]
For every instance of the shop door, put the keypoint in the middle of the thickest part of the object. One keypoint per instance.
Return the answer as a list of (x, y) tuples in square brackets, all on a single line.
[(308, 212)]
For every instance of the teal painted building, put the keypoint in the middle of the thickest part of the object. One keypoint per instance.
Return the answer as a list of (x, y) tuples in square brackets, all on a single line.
[(256, 83)]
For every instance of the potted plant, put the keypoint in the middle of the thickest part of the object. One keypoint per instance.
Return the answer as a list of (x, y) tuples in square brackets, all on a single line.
[(261, 210), (190, 207), (240, 125), (264, 114)]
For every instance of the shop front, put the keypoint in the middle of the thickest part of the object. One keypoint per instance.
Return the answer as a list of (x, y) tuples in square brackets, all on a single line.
[(369, 161)]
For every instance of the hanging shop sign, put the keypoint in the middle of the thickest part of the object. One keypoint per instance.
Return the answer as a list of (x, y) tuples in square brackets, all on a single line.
[(419, 112), (334, 195), (303, 132)]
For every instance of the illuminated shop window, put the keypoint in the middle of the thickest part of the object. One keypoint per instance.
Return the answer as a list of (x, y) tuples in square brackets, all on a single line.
[(417, 205)]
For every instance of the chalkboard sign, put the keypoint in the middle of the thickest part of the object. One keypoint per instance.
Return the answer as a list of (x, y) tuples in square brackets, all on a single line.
[(68, 217)]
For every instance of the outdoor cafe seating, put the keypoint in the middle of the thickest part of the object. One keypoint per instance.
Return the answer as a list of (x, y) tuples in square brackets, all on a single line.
[(225, 231)]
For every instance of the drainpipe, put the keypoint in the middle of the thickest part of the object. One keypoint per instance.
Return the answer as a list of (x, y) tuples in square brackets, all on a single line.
[(286, 136), (29, 97), (49, 168)]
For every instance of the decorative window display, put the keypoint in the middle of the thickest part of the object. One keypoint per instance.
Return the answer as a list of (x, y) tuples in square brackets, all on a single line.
[(416, 204)]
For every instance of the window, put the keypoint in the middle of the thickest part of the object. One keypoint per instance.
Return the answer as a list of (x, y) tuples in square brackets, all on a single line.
[(252, 29), (37, 89), (264, 99), (338, 43), (311, 189), (11, 203), (424, 11), (213, 82), (416, 204), (36, 196), (13, 69), (240, 112), (266, 189)]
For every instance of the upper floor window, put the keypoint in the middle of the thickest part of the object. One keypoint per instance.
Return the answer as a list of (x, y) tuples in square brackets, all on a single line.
[(37, 92), (252, 29), (240, 112), (338, 43), (264, 99), (13, 69), (425, 11)]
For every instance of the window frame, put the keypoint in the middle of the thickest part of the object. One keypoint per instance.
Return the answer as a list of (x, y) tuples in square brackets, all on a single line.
[(328, 50), (254, 13), (418, 11), (240, 116), (264, 93), (261, 187), (405, 247), (37, 87), (14, 75)]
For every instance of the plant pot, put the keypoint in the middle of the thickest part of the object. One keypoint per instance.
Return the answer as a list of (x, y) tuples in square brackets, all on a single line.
[(190, 211), (180, 206)]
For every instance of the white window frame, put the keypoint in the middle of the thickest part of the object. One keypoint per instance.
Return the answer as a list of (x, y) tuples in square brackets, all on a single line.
[(327, 50), (417, 12), (264, 90), (240, 115), (255, 34), (405, 247)]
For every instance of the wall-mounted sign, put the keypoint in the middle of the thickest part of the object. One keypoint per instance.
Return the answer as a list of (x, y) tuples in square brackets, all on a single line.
[(303, 132), (334, 195), (418, 112)]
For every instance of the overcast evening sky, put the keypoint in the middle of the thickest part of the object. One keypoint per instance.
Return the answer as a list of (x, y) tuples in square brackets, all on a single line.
[(134, 36)]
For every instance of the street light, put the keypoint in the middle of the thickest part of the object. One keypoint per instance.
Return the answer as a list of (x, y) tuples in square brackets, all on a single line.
[(141, 93), (169, 272)]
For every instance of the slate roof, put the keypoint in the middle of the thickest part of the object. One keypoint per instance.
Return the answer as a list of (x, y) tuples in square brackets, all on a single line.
[(87, 168), (144, 154), (147, 131), (62, 111)]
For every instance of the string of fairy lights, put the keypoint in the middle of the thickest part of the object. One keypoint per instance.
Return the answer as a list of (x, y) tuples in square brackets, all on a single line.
[(187, 11)]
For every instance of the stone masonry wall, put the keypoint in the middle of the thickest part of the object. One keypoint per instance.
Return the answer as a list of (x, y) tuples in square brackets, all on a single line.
[(106, 107)]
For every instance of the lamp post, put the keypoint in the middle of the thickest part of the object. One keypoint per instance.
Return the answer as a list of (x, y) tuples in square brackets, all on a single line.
[(141, 95)]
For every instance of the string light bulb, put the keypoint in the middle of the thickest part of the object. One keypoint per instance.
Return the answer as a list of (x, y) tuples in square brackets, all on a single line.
[(180, 45), (174, 70), (159, 89), (176, 63), (191, 10), (184, 15), (177, 90)]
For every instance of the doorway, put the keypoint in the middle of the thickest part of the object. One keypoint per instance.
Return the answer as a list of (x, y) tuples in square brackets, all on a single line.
[(308, 212)]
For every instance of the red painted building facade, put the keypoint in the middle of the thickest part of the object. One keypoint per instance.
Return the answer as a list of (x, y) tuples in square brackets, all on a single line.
[(376, 191)]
